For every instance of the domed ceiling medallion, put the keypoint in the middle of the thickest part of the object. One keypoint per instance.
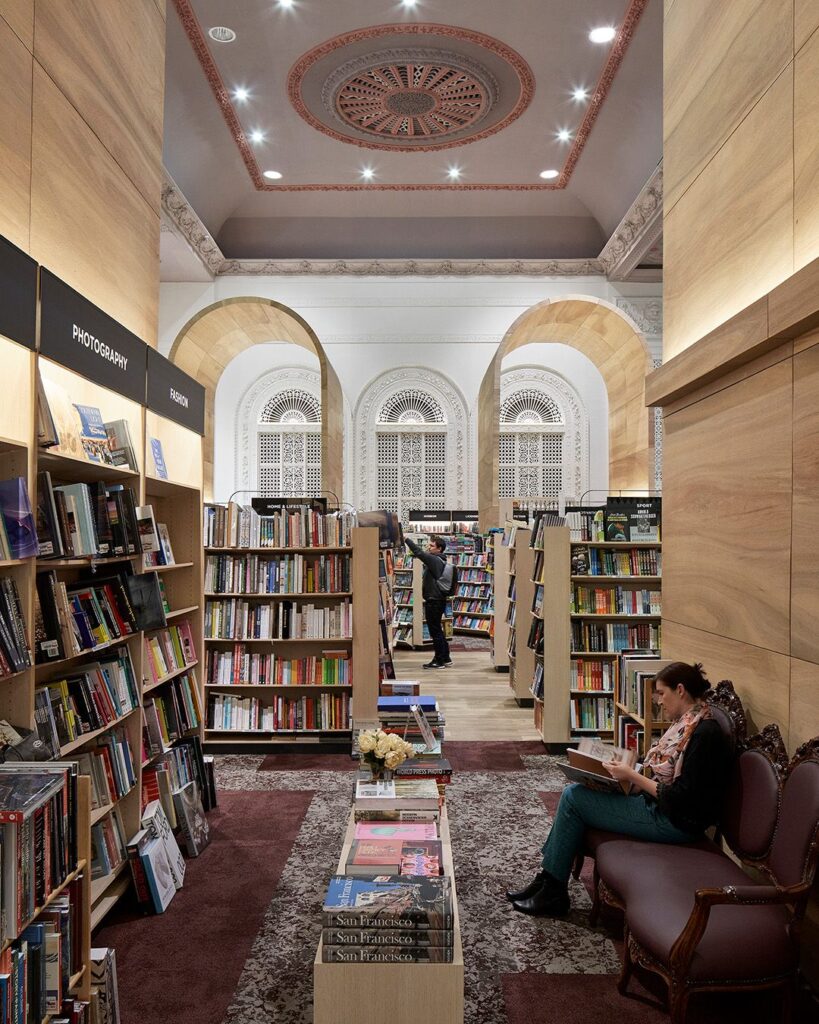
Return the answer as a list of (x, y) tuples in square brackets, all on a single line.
[(425, 87)]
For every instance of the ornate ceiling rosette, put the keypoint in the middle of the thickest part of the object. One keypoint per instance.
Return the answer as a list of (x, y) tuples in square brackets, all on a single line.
[(456, 87)]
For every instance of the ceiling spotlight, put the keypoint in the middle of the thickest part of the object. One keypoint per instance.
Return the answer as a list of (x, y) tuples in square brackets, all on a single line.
[(367, 173), (285, 3), (273, 175), (409, 3), (241, 95), (256, 136), (604, 34), (454, 173), (549, 174), (580, 94), (564, 135), (221, 34)]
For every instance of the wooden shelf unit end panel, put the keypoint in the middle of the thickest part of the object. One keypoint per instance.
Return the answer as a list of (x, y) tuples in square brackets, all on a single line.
[(557, 634), (365, 622)]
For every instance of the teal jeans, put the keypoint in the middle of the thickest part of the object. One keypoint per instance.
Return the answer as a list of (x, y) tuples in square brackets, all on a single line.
[(581, 808)]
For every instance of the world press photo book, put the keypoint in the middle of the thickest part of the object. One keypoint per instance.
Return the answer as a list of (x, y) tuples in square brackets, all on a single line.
[(93, 435)]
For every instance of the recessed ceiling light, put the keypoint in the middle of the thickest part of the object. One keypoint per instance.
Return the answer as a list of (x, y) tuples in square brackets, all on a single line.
[(256, 136), (367, 173), (241, 95), (549, 174), (564, 135), (285, 3), (604, 34), (222, 34), (273, 175), (409, 3), (454, 173), (580, 94)]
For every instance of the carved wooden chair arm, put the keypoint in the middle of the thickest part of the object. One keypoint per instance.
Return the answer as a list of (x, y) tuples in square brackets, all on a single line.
[(729, 895)]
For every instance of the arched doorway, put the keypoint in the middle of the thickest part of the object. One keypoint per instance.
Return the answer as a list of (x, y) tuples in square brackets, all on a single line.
[(218, 333), (613, 343)]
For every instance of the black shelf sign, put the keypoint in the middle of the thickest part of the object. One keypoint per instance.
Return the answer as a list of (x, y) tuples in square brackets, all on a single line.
[(175, 395), (18, 294), (77, 334)]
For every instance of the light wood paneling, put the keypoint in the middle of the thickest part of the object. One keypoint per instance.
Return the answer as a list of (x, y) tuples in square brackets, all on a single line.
[(806, 341), (108, 60), (20, 17), (705, 97), (805, 21), (729, 238), (792, 305), (18, 380), (804, 590), (181, 450), (726, 528), (806, 152), (15, 138), (761, 677), (804, 708), (88, 223)]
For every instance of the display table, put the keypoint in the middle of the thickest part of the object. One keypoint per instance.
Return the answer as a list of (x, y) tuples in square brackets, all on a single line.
[(402, 993)]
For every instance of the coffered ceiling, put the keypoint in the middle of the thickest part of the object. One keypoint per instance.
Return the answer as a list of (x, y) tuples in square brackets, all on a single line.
[(412, 132)]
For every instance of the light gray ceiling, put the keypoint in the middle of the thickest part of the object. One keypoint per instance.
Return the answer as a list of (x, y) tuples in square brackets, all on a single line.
[(623, 147)]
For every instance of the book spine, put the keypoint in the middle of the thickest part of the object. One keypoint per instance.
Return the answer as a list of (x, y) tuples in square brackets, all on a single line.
[(385, 955)]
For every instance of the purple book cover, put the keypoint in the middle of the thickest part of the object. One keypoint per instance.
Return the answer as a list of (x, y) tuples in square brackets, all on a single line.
[(18, 520)]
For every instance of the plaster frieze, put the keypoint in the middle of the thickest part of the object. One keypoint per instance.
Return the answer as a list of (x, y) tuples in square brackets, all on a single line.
[(637, 232)]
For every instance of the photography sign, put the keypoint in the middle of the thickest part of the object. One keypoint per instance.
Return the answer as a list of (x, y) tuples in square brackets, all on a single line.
[(79, 335), (175, 395)]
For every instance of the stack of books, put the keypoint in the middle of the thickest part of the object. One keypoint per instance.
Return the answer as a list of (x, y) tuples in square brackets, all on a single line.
[(422, 727)]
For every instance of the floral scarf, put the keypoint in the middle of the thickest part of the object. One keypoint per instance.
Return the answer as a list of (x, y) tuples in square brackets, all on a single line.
[(666, 756)]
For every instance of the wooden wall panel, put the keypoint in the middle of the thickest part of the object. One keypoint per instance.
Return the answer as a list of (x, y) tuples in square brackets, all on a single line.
[(804, 588), (806, 153), (88, 223), (729, 238), (805, 21), (727, 509), (705, 98), (15, 137), (20, 16), (108, 61), (804, 706), (761, 677)]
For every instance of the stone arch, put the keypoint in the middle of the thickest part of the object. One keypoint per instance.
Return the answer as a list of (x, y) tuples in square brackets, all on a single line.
[(220, 331), (610, 340)]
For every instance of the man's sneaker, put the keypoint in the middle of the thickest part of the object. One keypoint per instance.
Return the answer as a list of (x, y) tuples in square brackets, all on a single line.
[(445, 664), (433, 664)]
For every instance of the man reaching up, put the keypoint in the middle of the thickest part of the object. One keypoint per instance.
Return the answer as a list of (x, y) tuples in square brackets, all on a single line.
[(439, 585)]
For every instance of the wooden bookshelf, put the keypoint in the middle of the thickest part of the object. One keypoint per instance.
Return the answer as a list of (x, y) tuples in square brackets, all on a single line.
[(363, 645), (520, 595), (634, 709), (551, 543), (414, 992), (481, 564), (500, 636), (416, 638)]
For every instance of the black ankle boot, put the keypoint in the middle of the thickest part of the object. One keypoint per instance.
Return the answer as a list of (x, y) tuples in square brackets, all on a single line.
[(551, 900), (534, 886)]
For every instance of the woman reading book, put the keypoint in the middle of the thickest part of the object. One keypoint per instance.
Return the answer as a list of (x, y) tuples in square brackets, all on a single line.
[(680, 798)]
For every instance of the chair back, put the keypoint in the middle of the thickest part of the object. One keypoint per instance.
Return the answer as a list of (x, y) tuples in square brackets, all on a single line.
[(727, 711), (795, 846), (753, 795)]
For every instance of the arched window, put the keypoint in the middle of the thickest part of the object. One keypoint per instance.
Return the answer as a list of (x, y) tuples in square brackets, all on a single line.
[(411, 431), (279, 434), (543, 450)]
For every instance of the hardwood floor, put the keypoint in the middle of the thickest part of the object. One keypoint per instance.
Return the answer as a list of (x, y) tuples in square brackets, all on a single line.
[(476, 700)]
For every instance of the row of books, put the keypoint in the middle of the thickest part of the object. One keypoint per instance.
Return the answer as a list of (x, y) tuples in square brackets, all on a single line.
[(591, 713), (172, 713), (15, 650), (537, 681), (611, 562), (475, 576), (80, 430), (473, 590), (87, 700), (236, 619), (107, 845), (615, 636), (110, 767), (181, 764), (168, 650), (156, 861), (615, 601), (86, 519), (234, 525), (460, 605), (588, 674), (328, 711), (619, 519), (241, 667), (475, 623), (537, 600), (18, 535), (154, 538), (291, 574)]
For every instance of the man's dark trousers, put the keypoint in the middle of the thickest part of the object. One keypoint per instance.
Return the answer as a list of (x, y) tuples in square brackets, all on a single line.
[(433, 613)]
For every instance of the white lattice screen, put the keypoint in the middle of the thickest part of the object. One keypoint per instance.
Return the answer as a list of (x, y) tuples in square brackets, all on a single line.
[(289, 463), (411, 471), (530, 464)]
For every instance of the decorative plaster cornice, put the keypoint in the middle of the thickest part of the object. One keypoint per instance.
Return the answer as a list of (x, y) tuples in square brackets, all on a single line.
[(637, 232), (646, 313), (184, 218), (413, 268)]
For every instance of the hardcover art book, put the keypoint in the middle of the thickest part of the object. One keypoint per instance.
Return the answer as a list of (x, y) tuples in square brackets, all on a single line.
[(93, 435), (414, 937), (18, 534), (159, 459), (368, 857), (587, 764), (395, 830), (386, 954), (388, 901), (191, 817)]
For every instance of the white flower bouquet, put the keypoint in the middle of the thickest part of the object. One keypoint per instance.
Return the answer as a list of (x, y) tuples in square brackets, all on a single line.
[(382, 751)]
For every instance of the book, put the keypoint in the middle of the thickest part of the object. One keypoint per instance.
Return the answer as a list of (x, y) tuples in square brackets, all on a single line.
[(104, 980), (395, 830), (159, 875), (386, 954), (18, 532), (390, 901), (397, 794), (120, 444), (191, 818), (165, 544), (370, 857), (47, 436), (93, 436), (416, 938), (145, 598), (587, 764), (159, 459), (404, 702), (63, 416), (156, 823), (147, 530)]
